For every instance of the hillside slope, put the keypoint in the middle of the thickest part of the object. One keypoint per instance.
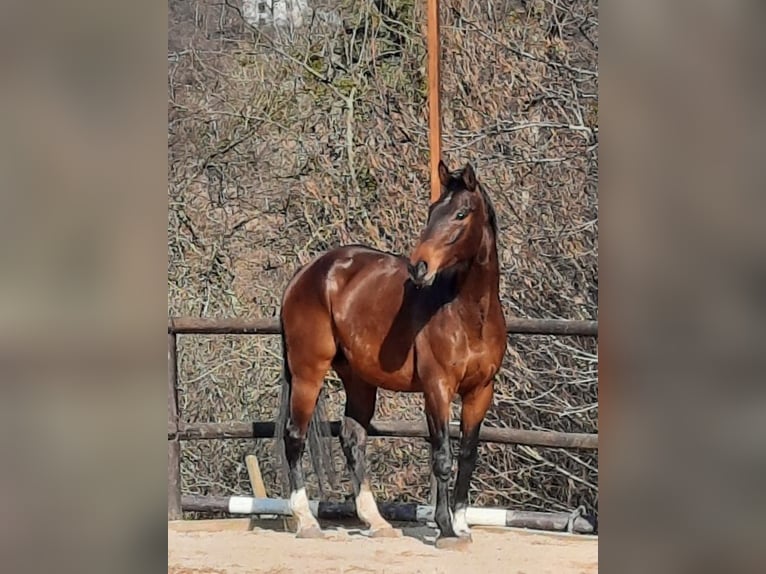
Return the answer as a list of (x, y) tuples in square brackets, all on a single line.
[(282, 143)]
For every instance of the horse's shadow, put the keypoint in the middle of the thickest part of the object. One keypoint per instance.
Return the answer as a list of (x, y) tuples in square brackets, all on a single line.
[(343, 529), (420, 532), (418, 306)]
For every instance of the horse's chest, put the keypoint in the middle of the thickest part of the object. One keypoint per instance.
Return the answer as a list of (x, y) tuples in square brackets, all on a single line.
[(471, 354), (480, 365)]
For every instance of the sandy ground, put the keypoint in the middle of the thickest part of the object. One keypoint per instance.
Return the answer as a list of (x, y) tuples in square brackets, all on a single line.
[(228, 547)]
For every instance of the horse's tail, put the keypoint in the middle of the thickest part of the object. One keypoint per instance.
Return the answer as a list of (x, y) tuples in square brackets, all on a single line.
[(318, 438)]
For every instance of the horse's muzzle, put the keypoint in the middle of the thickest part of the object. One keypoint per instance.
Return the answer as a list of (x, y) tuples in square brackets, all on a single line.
[(419, 274)]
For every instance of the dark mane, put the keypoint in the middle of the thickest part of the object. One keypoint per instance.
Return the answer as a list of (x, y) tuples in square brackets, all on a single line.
[(491, 214)]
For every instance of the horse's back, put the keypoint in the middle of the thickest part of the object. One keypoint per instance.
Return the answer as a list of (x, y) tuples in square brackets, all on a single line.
[(341, 275), (334, 269)]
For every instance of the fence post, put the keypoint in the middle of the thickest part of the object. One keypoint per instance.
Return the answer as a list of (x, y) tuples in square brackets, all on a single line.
[(174, 447), (434, 95)]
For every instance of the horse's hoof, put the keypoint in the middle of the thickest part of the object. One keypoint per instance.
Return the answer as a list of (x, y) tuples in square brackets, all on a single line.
[(461, 543), (386, 532), (310, 532)]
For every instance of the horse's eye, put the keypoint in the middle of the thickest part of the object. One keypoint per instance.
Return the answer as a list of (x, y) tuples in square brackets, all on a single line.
[(461, 214)]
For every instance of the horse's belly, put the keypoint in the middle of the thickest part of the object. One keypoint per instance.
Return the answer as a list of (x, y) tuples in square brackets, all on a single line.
[(385, 370)]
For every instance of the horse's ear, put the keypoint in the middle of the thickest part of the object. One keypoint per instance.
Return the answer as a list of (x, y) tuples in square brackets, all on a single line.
[(443, 174), (469, 177)]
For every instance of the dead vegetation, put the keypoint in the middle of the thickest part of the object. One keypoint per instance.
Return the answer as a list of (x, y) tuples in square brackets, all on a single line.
[(283, 143)]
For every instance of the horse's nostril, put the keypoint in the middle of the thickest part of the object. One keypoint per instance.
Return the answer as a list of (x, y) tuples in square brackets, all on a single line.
[(421, 269)]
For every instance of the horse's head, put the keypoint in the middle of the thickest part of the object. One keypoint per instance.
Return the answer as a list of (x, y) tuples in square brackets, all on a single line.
[(456, 226)]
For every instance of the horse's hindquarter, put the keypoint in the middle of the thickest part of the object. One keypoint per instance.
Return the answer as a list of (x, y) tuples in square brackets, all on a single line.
[(371, 323)]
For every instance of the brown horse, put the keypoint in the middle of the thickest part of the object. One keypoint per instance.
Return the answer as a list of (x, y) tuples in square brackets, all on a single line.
[(430, 325)]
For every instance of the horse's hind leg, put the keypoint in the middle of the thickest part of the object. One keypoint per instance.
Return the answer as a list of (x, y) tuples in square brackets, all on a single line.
[(360, 408), (309, 363), (303, 397)]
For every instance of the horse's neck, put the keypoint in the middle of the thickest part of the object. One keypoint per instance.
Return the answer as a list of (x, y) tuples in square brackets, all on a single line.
[(475, 287), (482, 277)]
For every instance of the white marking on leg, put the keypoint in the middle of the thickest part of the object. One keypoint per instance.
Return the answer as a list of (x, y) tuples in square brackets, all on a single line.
[(460, 522), (299, 505), (367, 509)]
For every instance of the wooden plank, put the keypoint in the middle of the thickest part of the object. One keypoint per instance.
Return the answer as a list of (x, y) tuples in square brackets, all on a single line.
[(174, 447), (256, 478), (514, 325), (404, 429), (257, 484), (434, 95), (174, 480), (226, 326)]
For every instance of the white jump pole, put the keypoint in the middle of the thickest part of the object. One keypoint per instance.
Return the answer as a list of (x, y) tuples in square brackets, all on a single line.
[(425, 513), (475, 516)]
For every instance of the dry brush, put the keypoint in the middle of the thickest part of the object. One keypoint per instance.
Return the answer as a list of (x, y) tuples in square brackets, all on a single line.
[(285, 142)]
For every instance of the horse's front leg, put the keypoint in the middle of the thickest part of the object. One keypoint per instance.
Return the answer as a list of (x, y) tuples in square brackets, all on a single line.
[(437, 414), (475, 405)]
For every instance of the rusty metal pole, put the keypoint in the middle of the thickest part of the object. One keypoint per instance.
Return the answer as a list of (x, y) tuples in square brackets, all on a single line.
[(434, 95), (434, 118)]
